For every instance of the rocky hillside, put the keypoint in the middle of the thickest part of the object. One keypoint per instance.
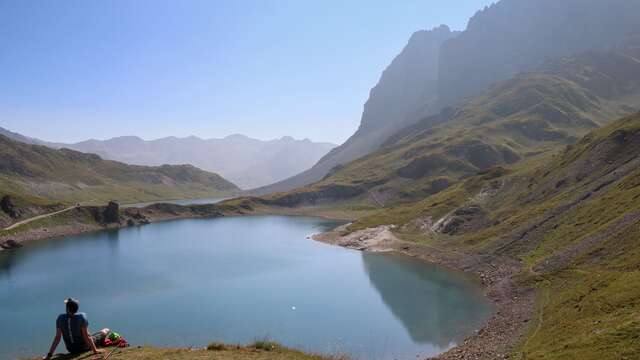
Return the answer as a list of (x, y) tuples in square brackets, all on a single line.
[(571, 220), (67, 175), (520, 118), (514, 35)]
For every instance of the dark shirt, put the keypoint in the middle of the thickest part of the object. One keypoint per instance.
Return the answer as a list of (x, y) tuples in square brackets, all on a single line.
[(71, 328)]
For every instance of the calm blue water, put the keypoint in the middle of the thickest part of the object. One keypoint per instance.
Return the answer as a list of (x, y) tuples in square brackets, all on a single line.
[(189, 282)]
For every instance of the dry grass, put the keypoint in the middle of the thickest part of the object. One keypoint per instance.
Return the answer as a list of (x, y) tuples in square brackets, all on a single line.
[(262, 350)]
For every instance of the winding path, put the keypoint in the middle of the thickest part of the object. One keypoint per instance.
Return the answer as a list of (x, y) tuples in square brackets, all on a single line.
[(23, 222)]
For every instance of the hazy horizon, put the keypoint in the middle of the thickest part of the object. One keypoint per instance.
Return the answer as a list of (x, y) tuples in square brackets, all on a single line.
[(155, 69)]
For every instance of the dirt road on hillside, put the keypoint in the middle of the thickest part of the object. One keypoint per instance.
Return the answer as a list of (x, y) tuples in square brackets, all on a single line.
[(23, 222)]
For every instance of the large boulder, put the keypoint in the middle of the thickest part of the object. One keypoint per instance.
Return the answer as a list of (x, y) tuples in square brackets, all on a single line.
[(111, 213), (8, 207), (10, 244)]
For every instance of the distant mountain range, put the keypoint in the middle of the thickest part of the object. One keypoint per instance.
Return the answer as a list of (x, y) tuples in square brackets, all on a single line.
[(441, 68), (36, 171), (246, 162)]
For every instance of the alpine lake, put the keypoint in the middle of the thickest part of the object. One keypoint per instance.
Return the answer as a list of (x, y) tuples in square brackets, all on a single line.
[(186, 283)]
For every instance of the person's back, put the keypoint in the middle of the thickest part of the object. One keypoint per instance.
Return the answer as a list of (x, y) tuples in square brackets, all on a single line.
[(72, 326)]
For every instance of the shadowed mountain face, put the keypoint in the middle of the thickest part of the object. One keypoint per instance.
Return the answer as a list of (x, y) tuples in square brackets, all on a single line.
[(405, 93), (516, 119), (513, 35), (246, 162), (440, 68)]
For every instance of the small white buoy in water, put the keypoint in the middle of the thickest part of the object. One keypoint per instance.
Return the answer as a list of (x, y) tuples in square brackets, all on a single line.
[(293, 308)]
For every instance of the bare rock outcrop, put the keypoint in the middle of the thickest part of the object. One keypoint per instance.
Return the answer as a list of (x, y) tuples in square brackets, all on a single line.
[(112, 213), (10, 244), (8, 207)]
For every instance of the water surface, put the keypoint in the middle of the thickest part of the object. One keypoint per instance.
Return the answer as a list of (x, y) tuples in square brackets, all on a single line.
[(189, 282)]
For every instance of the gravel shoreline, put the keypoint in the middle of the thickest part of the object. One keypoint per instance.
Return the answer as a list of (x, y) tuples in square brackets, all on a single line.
[(514, 304)]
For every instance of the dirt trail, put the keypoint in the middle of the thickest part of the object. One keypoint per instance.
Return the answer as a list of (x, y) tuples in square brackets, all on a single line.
[(23, 222)]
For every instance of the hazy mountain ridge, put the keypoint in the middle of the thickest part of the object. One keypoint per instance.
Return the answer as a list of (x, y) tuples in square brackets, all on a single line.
[(406, 91), (514, 35), (244, 161), (532, 113), (25, 139), (69, 175), (500, 41)]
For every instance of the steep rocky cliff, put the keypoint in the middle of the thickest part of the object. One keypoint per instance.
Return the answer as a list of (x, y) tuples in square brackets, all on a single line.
[(514, 35), (441, 68), (516, 119), (406, 92)]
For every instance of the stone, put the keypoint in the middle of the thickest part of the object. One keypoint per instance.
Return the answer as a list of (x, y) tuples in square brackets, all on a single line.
[(10, 244), (8, 206), (111, 213)]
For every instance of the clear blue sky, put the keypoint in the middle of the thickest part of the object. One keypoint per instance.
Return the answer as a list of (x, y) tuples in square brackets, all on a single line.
[(72, 70)]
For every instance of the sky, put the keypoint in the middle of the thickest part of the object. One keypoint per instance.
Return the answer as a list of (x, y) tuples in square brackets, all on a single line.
[(73, 70)]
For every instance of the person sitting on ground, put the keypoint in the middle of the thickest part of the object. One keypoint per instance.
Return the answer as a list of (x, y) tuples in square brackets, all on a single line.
[(73, 327)]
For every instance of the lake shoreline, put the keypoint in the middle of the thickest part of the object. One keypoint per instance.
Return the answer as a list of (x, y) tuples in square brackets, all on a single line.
[(513, 303), (397, 325), (76, 222)]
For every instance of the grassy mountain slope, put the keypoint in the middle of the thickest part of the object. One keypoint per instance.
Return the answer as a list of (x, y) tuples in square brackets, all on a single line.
[(70, 176), (501, 40), (517, 119), (572, 220)]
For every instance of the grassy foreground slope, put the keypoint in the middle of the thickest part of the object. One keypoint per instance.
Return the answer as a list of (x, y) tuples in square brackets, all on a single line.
[(37, 172), (572, 220), (257, 351), (536, 112)]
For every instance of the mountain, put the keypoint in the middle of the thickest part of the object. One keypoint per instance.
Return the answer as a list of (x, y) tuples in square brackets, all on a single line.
[(406, 91), (244, 161), (571, 222), (515, 120), (514, 35), (68, 175), (247, 162), (25, 139), (440, 68)]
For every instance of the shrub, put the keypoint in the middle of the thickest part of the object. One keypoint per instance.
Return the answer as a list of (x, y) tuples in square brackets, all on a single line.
[(216, 346), (265, 345)]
